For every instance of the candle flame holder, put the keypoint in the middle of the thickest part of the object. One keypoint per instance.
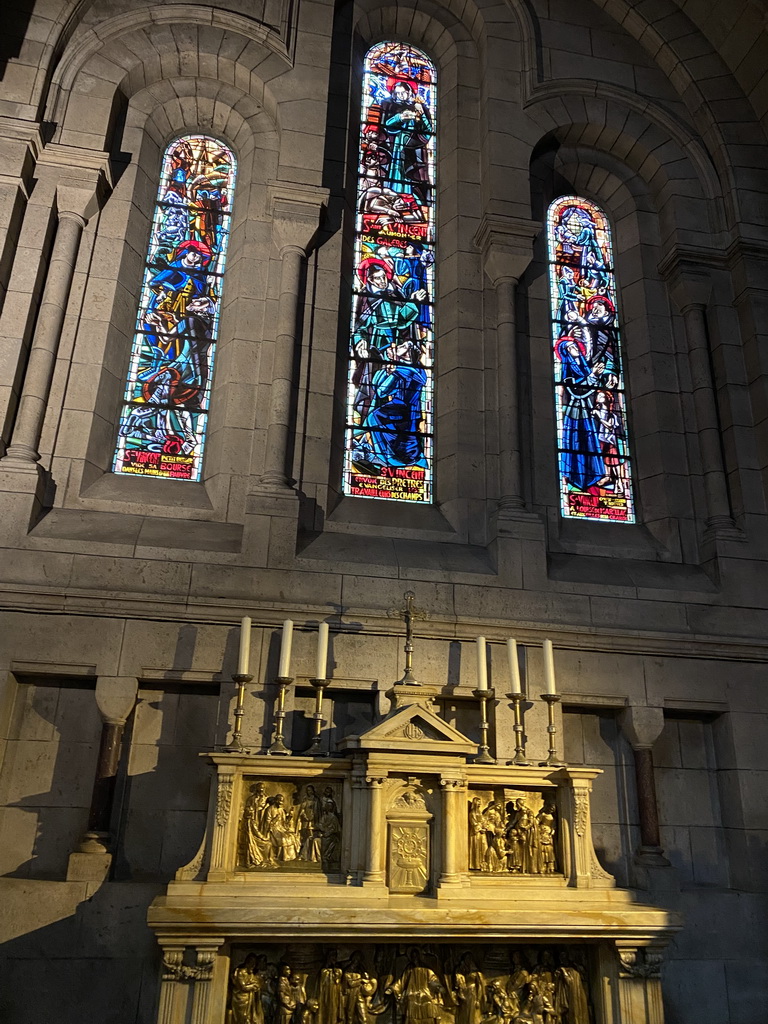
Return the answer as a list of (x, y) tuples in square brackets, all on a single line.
[(484, 755), (278, 746), (519, 757), (313, 750), (553, 760), (241, 680)]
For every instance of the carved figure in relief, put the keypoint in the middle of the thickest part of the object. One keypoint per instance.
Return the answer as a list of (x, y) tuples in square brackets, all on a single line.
[(329, 991), (417, 991), (329, 828), (505, 1005), (512, 837), (290, 994), (255, 842), (525, 824), (478, 841), (308, 821), (469, 991), (496, 852), (545, 821), (279, 829), (519, 975), (570, 994), (248, 982)]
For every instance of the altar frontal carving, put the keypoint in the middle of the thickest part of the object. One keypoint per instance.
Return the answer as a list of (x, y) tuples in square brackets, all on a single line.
[(399, 984), (512, 831), (290, 826)]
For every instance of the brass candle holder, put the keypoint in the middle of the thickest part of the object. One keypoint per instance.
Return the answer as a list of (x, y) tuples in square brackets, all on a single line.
[(552, 760), (519, 757), (484, 756), (241, 680), (278, 746), (313, 750)]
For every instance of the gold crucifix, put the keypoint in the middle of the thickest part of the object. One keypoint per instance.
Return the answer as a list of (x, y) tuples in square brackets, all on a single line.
[(408, 613)]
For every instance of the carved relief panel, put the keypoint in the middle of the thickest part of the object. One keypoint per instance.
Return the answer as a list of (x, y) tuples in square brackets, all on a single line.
[(408, 837), (513, 831), (288, 825), (401, 984)]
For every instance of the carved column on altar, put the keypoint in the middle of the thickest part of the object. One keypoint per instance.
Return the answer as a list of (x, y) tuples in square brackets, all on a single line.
[(374, 859), (454, 836), (639, 984)]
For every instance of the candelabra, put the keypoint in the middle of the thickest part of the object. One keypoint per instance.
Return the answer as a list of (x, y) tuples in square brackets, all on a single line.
[(484, 757), (552, 760), (278, 746), (241, 680), (519, 757), (319, 685)]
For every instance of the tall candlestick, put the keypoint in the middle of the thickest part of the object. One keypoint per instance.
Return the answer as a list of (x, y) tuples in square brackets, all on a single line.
[(244, 655), (514, 667), (549, 667), (285, 650), (482, 666), (321, 665)]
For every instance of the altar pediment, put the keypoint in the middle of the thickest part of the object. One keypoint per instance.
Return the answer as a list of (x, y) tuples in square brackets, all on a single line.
[(413, 728)]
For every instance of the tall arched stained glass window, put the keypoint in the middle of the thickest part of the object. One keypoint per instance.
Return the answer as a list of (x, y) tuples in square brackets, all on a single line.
[(167, 393), (388, 450), (592, 436)]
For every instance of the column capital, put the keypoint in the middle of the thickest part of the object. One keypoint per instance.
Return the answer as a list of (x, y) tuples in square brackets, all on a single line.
[(641, 725), (295, 211), (115, 697), (688, 273), (507, 246), (83, 178)]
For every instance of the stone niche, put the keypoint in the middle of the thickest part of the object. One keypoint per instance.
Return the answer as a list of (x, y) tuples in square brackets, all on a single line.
[(401, 983)]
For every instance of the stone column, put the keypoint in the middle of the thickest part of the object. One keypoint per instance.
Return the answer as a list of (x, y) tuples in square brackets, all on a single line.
[(203, 976), (507, 249), (455, 825), (173, 959), (642, 726), (295, 212), (639, 984), (115, 697), (690, 288), (80, 178), (374, 857)]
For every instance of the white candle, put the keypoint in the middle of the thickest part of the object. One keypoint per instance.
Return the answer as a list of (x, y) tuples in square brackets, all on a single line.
[(514, 667), (482, 666), (322, 651), (285, 650), (244, 655), (549, 667)]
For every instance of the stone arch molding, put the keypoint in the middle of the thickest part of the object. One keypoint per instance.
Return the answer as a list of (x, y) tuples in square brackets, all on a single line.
[(645, 138), (130, 51)]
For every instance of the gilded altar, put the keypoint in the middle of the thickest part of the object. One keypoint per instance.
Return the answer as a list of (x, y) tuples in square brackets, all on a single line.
[(403, 857)]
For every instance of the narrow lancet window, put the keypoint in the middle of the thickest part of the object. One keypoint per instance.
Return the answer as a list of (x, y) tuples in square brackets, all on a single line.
[(389, 434), (167, 394), (592, 437)]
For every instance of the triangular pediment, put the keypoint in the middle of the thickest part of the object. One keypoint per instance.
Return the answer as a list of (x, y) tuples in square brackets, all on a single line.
[(415, 727)]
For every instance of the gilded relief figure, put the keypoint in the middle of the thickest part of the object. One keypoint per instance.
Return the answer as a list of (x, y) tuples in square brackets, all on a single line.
[(431, 985), (513, 837), (417, 991), (285, 826)]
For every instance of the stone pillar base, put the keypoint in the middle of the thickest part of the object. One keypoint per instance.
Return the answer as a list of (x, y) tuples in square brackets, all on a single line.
[(22, 489), (88, 867)]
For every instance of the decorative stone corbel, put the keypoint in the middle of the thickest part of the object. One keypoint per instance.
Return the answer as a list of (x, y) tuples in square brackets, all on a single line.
[(507, 247), (222, 846)]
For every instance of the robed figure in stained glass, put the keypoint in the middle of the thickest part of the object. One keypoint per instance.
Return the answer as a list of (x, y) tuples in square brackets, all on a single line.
[(593, 454)]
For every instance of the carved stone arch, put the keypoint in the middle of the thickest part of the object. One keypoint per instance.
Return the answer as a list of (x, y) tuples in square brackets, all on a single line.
[(649, 142), (410, 795), (129, 51)]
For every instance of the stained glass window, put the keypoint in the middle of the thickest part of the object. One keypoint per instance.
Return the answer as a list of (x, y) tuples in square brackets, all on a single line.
[(167, 395), (592, 436), (388, 451)]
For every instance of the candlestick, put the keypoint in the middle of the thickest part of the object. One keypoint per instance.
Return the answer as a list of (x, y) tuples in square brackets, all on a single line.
[(244, 654), (482, 665), (514, 666), (552, 760), (285, 650), (484, 695), (549, 667), (321, 662), (241, 679), (313, 750), (278, 746)]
